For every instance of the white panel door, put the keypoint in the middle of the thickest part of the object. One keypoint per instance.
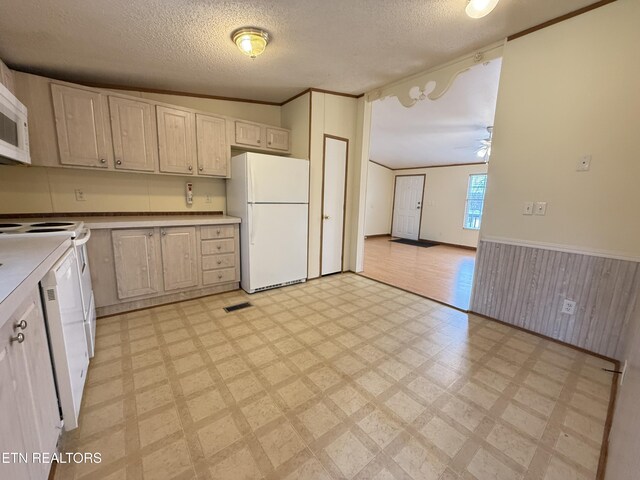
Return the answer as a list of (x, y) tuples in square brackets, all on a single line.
[(334, 191), (273, 179), (407, 206), (277, 245)]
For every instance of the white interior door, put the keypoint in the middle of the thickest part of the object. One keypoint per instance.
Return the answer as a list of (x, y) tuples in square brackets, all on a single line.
[(335, 166), (407, 206)]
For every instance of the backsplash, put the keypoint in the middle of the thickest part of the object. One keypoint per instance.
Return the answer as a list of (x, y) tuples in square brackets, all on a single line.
[(25, 190)]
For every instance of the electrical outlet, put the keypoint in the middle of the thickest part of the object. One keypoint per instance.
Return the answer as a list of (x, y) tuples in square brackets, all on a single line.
[(208, 198), (584, 164), (624, 370), (541, 208), (527, 209), (568, 307), (80, 195)]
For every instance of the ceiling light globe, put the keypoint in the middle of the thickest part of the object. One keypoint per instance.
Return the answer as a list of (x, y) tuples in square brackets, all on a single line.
[(480, 8), (250, 41)]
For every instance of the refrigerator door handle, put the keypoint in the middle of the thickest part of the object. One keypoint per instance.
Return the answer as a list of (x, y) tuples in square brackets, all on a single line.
[(251, 225), (252, 184)]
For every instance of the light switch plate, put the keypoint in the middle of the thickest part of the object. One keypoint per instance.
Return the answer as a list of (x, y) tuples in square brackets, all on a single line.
[(541, 208), (527, 209)]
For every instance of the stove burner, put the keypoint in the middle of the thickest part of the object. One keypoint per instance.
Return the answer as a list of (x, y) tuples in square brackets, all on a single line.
[(52, 224), (10, 225), (44, 230)]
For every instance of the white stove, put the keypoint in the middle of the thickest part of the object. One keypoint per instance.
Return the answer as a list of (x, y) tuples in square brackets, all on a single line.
[(42, 228)]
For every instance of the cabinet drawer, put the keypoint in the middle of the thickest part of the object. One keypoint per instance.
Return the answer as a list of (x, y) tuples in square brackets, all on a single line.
[(219, 276), (213, 247), (213, 262), (216, 231)]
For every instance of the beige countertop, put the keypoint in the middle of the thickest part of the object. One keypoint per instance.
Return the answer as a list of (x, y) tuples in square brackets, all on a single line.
[(134, 221), (25, 261)]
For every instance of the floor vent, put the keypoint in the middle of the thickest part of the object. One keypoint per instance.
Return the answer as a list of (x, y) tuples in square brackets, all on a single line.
[(239, 306)]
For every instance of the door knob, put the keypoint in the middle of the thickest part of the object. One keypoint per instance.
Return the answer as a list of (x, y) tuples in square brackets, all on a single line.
[(326, 217)]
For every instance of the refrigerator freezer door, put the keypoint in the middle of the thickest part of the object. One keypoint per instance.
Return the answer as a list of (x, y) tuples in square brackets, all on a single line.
[(272, 179), (277, 244)]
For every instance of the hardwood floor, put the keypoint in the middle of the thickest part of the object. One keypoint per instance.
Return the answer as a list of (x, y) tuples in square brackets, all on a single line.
[(442, 273)]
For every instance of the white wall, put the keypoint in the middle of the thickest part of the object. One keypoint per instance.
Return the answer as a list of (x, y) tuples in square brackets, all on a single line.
[(445, 194), (379, 200), (565, 91), (295, 117)]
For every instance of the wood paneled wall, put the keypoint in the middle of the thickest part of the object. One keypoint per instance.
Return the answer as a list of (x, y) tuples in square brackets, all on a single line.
[(526, 286)]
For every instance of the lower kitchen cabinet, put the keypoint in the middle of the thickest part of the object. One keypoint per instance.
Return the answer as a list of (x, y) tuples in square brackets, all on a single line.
[(135, 254), (179, 258), (134, 268), (28, 400)]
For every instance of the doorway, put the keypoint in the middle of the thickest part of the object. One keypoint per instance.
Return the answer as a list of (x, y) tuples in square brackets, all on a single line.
[(334, 191), (407, 206)]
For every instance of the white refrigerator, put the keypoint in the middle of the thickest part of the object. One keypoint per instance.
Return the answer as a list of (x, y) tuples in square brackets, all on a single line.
[(271, 196)]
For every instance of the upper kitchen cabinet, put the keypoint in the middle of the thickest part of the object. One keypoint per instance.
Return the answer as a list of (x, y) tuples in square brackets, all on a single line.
[(278, 139), (213, 150), (133, 127), (6, 78), (81, 126), (259, 137), (176, 140), (249, 134)]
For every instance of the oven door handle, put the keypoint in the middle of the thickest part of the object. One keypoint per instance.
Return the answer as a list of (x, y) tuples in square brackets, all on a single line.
[(84, 239)]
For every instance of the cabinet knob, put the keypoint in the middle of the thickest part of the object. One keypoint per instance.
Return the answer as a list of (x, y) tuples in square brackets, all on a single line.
[(18, 338), (219, 262), (219, 276), (219, 247), (118, 162), (163, 233), (258, 141), (190, 168), (22, 324), (103, 160), (269, 143), (218, 231), (151, 234), (201, 168)]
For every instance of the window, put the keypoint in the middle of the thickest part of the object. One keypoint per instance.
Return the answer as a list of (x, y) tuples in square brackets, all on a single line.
[(475, 201)]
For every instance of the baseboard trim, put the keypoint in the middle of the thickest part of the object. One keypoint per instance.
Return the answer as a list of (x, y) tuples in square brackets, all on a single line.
[(377, 235), (457, 245), (145, 304)]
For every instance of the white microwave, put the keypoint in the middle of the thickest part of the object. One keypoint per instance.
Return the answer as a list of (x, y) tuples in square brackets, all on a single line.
[(14, 129)]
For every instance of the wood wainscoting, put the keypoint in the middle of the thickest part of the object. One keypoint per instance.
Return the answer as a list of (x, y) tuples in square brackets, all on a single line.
[(526, 286)]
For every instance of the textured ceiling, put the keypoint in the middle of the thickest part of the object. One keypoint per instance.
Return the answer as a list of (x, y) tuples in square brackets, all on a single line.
[(348, 46), (437, 132)]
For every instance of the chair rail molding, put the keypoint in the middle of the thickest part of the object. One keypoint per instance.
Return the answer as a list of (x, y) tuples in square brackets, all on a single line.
[(435, 82)]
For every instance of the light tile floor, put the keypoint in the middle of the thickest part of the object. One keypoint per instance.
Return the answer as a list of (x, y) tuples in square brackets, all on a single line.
[(341, 377)]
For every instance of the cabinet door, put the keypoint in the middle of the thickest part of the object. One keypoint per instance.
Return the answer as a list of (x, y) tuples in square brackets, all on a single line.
[(11, 420), (135, 145), (81, 126), (277, 139), (248, 134), (27, 391), (179, 266), (32, 365), (176, 140), (213, 150), (136, 262)]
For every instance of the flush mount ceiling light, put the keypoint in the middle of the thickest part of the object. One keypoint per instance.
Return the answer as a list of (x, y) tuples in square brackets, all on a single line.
[(250, 40), (480, 8)]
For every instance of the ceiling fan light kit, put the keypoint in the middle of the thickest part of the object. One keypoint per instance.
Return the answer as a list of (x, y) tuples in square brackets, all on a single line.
[(251, 41), (480, 8)]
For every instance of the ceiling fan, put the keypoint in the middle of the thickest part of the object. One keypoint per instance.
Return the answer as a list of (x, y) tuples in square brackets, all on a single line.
[(484, 151)]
